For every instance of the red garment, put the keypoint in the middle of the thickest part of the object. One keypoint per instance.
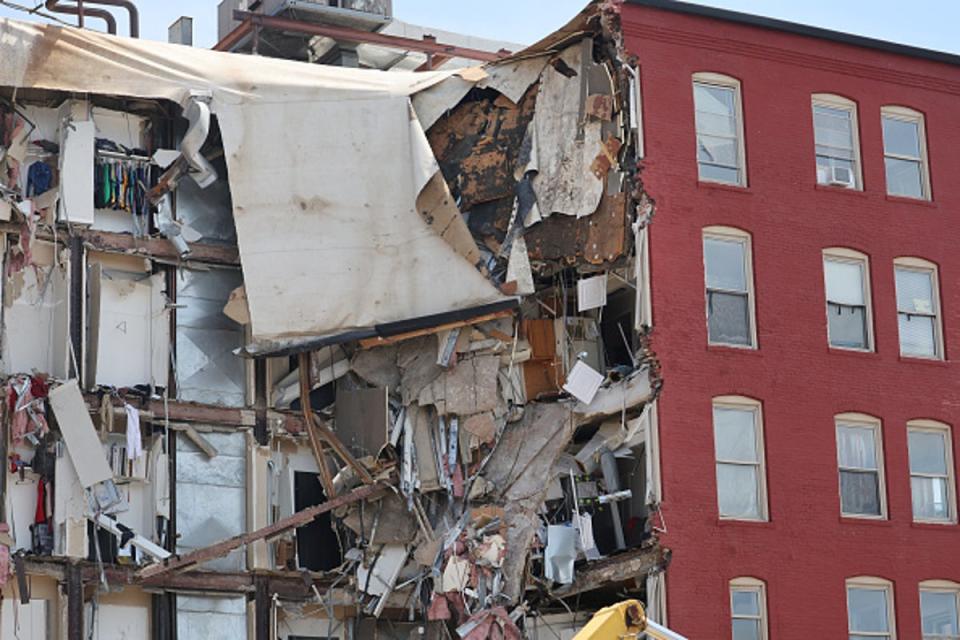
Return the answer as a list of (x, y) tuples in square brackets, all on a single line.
[(40, 517)]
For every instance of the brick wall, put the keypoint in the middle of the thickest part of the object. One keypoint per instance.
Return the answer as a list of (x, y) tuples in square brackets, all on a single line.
[(806, 551)]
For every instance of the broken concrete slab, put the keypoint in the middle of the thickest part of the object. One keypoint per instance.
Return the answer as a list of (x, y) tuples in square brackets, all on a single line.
[(468, 388)]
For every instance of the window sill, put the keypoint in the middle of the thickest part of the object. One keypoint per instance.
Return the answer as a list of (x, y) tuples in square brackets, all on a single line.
[(857, 353), (936, 362), (732, 522), (845, 190), (933, 526), (729, 348), (917, 201), (867, 520), (723, 186)]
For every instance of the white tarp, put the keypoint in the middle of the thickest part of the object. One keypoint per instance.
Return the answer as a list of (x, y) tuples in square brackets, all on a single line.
[(325, 165)]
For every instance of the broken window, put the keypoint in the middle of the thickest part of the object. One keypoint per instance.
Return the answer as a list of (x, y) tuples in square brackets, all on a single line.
[(726, 258), (904, 153), (848, 313), (719, 128), (858, 455), (317, 546), (739, 450), (931, 471), (917, 308)]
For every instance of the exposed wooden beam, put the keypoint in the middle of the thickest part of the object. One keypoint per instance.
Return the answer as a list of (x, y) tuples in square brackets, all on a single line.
[(618, 568), (368, 343), (220, 549), (326, 479)]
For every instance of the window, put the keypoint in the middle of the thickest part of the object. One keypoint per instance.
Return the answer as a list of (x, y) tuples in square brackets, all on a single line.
[(931, 471), (738, 442), (849, 325), (939, 606), (719, 122), (859, 457), (729, 284), (905, 153), (836, 141), (870, 609), (918, 308), (748, 609)]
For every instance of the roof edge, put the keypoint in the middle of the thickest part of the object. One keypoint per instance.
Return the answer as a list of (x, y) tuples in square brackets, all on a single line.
[(796, 28)]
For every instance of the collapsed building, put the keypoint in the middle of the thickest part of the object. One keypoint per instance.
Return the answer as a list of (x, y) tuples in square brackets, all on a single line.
[(295, 351)]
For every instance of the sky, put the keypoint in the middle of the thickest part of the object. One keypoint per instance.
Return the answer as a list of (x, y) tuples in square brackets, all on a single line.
[(924, 23)]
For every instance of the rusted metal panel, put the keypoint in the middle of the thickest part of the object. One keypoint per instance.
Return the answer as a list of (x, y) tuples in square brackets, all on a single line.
[(600, 239)]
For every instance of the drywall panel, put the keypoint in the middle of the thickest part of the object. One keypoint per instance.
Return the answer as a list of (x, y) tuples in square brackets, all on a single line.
[(21, 505), (120, 616), (24, 621), (35, 303), (211, 495), (134, 330), (76, 172), (70, 506), (207, 369), (79, 434), (202, 618)]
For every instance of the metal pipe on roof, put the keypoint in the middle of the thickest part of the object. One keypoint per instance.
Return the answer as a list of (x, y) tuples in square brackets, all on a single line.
[(131, 9), (58, 6)]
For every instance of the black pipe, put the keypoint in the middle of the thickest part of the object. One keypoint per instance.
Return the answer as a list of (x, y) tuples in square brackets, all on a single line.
[(57, 6), (130, 7)]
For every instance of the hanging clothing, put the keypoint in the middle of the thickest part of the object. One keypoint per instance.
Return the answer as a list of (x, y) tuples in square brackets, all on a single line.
[(134, 442)]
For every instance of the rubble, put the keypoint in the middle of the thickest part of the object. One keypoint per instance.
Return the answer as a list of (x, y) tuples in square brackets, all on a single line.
[(414, 390)]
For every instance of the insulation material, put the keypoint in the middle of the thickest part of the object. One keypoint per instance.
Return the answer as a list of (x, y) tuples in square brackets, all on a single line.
[(560, 156), (200, 618), (35, 302), (133, 330), (208, 211), (79, 434), (207, 369), (277, 118), (211, 496)]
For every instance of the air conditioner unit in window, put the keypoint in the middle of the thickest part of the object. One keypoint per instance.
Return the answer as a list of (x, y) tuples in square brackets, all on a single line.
[(842, 177)]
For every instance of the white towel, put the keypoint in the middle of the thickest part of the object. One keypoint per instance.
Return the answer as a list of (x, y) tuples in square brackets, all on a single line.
[(134, 445)]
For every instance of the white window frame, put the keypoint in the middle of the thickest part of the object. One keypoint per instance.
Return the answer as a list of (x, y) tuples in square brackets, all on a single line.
[(919, 264), (726, 82), (840, 254), (939, 586), (751, 585), (833, 101), (933, 426), (862, 420), (729, 234), (869, 583), (742, 403), (906, 114)]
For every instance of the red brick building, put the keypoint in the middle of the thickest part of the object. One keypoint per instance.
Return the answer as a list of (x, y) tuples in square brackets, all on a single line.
[(804, 264)]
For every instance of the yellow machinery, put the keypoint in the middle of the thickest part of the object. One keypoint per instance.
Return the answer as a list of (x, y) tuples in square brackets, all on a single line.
[(624, 621)]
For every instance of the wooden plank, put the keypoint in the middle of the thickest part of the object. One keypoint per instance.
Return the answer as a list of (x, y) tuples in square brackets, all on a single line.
[(220, 549), (379, 342), (303, 362), (202, 443)]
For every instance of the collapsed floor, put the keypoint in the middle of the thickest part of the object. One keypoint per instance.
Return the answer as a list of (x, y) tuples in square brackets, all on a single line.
[(209, 435)]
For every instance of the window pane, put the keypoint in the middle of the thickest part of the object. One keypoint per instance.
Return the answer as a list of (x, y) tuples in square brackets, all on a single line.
[(917, 337), (737, 491), (928, 452), (714, 150), (847, 326), (904, 178), (833, 127), (901, 137), (823, 170), (860, 493), (929, 498), (746, 630), (914, 291), (868, 610), (844, 282), (719, 174), (713, 99), (745, 603), (939, 613), (735, 434), (723, 125), (728, 318), (856, 447), (725, 264)]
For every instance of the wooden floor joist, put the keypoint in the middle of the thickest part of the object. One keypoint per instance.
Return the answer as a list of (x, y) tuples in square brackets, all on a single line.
[(220, 549)]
